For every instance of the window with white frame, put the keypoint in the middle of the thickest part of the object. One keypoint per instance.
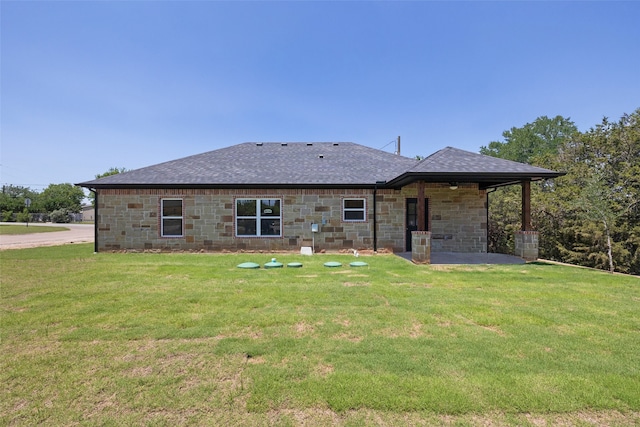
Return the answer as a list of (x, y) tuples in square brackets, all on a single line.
[(171, 218), (353, 209), (258, 217)]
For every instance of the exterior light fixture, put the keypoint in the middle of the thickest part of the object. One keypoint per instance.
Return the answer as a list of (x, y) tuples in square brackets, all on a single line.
[(453, 185)]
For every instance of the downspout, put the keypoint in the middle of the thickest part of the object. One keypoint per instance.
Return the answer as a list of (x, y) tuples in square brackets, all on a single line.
[(375, 223), (95, 220), (375, 218)]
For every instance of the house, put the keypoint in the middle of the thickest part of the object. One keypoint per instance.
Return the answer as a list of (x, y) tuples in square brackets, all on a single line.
[(88, 213), (269, 197)]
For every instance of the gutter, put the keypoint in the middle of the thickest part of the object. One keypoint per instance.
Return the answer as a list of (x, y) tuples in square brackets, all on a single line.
[(95, 220)]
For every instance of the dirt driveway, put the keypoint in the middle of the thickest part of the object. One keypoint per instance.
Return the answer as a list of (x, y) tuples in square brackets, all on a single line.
[(77, 233)]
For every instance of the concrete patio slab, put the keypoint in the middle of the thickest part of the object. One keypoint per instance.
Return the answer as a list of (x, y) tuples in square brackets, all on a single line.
[(468, 258)]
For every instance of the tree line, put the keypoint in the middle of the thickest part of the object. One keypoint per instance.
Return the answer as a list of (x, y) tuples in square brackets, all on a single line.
[(591, 215), (54, 203)]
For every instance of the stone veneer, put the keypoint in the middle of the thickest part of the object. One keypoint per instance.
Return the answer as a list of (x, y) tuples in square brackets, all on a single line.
[(130, 219), (421, 247), (526, 245)]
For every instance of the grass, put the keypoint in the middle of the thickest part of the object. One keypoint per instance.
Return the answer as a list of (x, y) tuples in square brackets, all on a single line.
[(6, 229), (165, 339)]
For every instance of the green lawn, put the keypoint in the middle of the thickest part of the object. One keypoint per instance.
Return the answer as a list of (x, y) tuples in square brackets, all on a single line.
[(175, 339), (23, 229)]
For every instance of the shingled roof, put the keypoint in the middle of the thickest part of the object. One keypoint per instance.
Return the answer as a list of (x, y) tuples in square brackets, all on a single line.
[(324, 164), (269, 164), (452, 164)]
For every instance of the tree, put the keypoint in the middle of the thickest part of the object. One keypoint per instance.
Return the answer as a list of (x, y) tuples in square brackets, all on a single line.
[(111, 171), (535, 143), (62, 196), (12, 199), (530, 143), (596, 205), (603, 168)]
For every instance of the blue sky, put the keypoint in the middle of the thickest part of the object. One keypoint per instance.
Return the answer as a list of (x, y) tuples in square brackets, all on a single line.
[(86, 86)]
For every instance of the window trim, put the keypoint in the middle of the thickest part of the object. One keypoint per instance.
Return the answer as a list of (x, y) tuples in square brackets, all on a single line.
[(163, 217), (363, 209), (258, 217)]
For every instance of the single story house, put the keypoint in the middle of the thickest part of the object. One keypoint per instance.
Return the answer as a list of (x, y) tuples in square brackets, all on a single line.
[(334, 196)]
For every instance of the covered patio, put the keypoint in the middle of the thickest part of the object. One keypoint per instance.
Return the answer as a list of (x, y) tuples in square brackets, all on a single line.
[(454, 167)]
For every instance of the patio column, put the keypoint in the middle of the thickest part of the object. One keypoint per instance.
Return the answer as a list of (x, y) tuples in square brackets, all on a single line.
[(526, 240), (421, 247), (526, 206)]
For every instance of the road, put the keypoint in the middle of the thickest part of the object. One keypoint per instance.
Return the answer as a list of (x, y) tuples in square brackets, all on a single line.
[(77, 233)]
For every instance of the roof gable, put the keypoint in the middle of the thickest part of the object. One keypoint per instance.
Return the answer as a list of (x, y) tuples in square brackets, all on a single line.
[(455, 165), (454, 160)]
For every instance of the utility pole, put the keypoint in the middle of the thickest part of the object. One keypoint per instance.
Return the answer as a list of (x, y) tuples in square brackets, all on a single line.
[(398, 146)]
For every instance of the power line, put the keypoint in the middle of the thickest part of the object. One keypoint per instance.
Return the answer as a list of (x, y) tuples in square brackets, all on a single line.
[(393, 141)]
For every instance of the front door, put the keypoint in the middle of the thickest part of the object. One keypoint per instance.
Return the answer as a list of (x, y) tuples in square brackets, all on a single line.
[(412, 219)]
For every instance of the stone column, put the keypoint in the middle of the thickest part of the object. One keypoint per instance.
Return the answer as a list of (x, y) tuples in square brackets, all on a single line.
[(421, 247), (526, 245)]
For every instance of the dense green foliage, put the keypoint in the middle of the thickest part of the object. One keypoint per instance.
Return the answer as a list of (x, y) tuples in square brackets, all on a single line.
[(190, 339), (66, 197), (62, 196), (590, 216), (56, 201), (12, 199)]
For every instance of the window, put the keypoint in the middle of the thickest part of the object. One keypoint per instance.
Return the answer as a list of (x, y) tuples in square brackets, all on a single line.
[(258, 217), (353, 209), (171, 217)]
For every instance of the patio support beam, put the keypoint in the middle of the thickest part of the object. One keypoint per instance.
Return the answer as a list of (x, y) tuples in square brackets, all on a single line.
[(526, 205), (422, 209)]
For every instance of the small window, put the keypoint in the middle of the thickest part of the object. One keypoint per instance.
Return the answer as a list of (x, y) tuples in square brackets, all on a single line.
[(171, 218), (258, 217), (353, 209)]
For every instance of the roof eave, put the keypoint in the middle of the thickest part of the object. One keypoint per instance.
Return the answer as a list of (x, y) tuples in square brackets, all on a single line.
[(486, 180), (220, 186)]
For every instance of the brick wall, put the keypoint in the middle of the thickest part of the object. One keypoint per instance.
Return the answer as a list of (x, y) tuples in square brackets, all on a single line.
[(130, 219)]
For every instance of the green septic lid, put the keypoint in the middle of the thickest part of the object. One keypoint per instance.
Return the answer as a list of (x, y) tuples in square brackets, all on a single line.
[(273, 264), (358, 264), (332, 264), (248, 265), (294, 264)]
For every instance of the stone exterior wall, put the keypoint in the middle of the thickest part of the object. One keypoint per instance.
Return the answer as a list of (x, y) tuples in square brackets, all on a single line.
[(457, 218), (130, 219)]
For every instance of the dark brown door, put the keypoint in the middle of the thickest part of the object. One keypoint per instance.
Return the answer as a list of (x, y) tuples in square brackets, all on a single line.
[(411, 220)]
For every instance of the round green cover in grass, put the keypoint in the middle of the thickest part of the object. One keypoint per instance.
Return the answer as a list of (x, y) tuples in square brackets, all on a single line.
[(294, 264), (248, 265), (358, 264), (273, 264), (332, 264)]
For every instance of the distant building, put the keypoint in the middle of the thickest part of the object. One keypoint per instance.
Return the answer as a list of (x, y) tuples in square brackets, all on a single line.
[(88, 213)]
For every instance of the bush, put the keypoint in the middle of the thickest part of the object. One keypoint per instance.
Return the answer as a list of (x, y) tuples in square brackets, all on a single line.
[(24, 216), (60, 216), (7, 216)]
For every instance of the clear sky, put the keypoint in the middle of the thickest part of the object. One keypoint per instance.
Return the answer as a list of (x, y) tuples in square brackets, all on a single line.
[(86, 86)]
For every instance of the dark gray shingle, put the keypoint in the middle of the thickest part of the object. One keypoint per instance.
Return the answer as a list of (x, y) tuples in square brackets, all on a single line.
[(323, 163)]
